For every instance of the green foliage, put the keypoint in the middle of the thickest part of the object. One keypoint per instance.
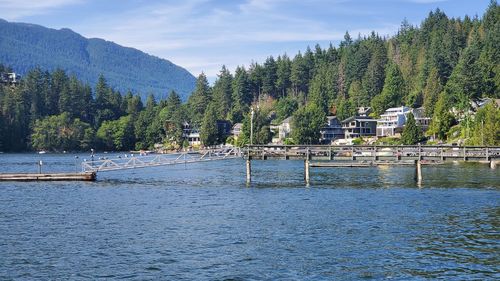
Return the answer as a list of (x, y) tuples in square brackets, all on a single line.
[(200, 99), (323, 87), (442, 119), (486, 126), (285, 107), (393, 91), (261, 129), (60, 132), (306, 124), (209, 134), (115, 135), (222, 93), (412, 134), (466, 81), (431, 92), (388, 141), (241, 95), (345, 109), (357, 141), (172, 117)]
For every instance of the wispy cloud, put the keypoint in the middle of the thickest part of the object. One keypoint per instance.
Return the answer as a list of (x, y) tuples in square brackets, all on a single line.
[(202, 35), (22, 8), (213, 34)]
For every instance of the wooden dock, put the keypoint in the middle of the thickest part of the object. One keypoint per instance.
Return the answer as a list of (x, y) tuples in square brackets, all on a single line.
[(49, 177), (338, 156)]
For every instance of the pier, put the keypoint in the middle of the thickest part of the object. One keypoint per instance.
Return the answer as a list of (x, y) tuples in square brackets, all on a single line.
[(324, 156)]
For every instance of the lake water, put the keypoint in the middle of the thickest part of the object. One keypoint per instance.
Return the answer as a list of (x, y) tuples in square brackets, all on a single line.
[(201, 222)]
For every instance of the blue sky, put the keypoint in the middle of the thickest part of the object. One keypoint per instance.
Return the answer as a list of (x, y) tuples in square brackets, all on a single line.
[(202, 35)]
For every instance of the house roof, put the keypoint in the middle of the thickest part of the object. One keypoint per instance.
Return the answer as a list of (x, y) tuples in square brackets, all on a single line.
[(401, 108), (419, 112), (359, 118)]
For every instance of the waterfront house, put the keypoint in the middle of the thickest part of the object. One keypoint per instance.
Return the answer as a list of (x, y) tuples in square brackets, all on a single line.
[(359, 126), (331, 131), (283, 130), (392, 121), (191, 134), (237, 130), (420, 119)]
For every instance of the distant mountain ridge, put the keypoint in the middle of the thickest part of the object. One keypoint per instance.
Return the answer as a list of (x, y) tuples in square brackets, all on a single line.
[(25, 46)]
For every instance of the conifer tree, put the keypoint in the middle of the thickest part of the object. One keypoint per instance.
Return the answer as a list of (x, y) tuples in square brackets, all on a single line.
[(306, 124), (222, 93), (283, 72), (241, 95), (431, 92), (393, 91), (209, 133), (200, 99), (412, 134)]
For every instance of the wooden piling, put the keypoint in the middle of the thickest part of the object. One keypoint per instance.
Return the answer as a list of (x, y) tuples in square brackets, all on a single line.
[(306, 171), (419, 172), (249, 171), (306, 167)]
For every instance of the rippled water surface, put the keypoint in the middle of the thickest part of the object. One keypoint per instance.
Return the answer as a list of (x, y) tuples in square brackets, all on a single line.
[(201, 222)]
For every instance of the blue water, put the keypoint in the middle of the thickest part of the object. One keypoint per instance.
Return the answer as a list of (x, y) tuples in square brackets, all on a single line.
[(201, 222)]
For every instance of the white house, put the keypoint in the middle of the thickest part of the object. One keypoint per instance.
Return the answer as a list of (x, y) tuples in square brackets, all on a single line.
[(392, 121), (192, 135), (284, 129)]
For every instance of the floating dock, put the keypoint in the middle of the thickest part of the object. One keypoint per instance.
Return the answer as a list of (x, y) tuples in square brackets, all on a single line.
[(49, 177)]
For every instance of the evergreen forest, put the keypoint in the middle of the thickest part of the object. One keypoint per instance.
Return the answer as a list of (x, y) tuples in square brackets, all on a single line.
[(445, 65)]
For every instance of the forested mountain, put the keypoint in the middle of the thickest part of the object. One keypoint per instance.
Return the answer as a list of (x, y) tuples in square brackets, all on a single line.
[(26, 46), (445, 64)]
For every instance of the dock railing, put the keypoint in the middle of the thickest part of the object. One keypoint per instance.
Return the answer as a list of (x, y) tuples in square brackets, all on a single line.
[(130, 161), (373, 152)]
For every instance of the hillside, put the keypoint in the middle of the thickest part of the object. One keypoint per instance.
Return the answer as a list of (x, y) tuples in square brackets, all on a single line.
[(26, 46)]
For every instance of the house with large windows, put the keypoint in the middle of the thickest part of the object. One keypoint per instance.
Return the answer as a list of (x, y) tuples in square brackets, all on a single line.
[(332, 130), (392, 122), (359, 126)]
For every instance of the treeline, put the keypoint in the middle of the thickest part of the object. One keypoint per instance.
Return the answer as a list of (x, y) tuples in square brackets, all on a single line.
[(54, 111), (442, 65)]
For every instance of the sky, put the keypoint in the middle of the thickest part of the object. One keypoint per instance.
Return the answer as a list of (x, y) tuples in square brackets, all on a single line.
[(203, 35)]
